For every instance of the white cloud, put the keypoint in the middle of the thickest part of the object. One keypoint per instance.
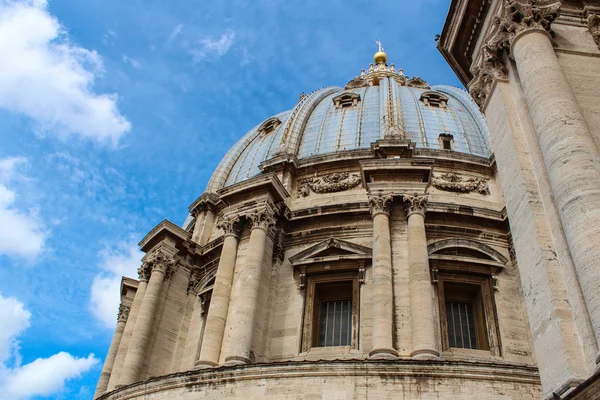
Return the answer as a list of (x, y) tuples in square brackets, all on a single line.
[(41, 377), (105, 294), (49, 79), (175, 32), (211, 47), (131, 61), (21, 232)]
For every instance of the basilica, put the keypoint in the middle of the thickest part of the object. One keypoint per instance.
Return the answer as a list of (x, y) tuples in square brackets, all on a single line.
[(392, 238)]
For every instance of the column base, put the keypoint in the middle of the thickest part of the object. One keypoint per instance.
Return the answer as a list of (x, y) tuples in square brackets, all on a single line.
[(383, 354), (204, 364), (236, 360), (425, 354)]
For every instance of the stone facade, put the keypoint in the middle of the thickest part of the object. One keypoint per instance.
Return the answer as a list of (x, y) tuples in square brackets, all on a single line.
[(533, 68), (401, 231)]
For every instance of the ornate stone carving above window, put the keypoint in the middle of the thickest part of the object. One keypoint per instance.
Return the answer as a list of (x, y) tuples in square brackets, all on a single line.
[(434, 99), (334, 182), (346, 100), (454, 183), (269, 126)]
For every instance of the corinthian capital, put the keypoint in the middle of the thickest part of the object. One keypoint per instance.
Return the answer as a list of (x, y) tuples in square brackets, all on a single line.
[(380, 203), (415, 204), (230, 225), (123, 313), (144, 272), (263, 219)]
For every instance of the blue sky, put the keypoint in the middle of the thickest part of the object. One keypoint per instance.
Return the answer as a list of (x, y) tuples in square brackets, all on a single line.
[(113, 115)]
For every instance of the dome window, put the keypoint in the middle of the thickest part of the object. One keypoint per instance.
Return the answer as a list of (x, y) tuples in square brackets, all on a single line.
[(446, 141), (346, 100), (269, 126), (434, 99)]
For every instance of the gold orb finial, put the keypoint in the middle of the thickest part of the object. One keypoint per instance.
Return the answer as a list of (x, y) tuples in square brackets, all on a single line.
[(380, 57)]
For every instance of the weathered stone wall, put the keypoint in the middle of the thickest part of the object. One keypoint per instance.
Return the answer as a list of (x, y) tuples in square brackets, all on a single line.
[(344, 380)]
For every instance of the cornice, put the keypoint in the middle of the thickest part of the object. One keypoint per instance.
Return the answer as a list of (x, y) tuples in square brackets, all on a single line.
[(164, 228)]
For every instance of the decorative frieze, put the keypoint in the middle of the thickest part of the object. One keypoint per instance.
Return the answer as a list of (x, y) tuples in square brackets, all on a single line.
[(454, 183), (330, 183), (593, 23), (415, 204), (380, 203), (123, 313)]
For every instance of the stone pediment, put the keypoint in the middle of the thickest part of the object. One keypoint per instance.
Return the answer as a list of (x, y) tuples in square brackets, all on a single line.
[(332, 250)]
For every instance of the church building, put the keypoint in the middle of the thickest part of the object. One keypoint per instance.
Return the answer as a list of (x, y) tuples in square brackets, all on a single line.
[(393, 239)]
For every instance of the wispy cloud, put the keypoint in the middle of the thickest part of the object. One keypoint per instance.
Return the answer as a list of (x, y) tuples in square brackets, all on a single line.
[(22, 233), (131, 61), (42, 377), (212, 47), (49, 79), (175, 32), (120, 261)]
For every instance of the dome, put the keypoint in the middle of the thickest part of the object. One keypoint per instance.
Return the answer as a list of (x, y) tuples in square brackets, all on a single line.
[(380, 103)]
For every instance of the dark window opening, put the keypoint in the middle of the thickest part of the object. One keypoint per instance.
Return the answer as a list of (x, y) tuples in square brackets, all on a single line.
[(465, 316), (333, 309), (447, 144)]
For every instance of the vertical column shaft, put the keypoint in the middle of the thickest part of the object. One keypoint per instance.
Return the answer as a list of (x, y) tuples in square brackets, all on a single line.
[(209, 220), (570, 155), (219, 305), (143, 327), (421, 289), (382, 289), (115, 375), (243, 309), (112, 352)]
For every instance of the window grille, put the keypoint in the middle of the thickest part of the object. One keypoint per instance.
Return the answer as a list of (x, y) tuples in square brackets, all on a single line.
[(462, 331), (335, 325)]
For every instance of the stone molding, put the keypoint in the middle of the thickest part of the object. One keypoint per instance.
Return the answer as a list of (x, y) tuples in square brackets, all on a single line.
[(380, 204), (593, 23), (330, 183), (518, 16), (454, 183), (415, 204), (123, 313)]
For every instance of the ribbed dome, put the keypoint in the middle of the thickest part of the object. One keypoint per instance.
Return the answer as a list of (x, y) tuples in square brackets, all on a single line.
[(379, 103)]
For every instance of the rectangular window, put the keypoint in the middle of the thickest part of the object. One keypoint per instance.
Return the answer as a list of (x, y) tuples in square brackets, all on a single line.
[(447, 144), (463, 316), (331, 313)]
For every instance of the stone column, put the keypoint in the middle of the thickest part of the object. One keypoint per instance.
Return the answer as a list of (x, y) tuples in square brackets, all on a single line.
[(115, 376), (243, 308), (159, 264), (112, 351), (570, 155), (214, 328), (382, 316), (422, 294)]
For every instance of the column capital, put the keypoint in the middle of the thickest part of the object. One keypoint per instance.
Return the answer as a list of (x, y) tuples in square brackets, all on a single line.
[(415, 204), (380, 204), (230, 225), (144, 272), (264, 219), (518, 17), (158, 260), (593, 23), (123, 313)]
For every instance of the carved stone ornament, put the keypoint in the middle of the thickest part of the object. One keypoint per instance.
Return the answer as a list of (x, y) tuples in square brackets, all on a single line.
[(263, 219), (380, 204), (278, 247), (593, 23), (193, 281), (517, 16), (123, 313), (230, 225), (330, 183), (455, 183), (417, 82), (415, 204), (157, 260)]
